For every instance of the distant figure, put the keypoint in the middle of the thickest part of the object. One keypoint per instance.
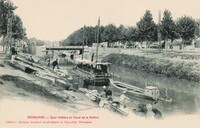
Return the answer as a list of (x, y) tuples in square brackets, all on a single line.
[(92, 59), (150, 113), (104, 100), (158, 114), (55, 63), (48, 62), (103, 93), (31, 59), (171, 46), (86, 83), (23, 49), (123, 97), (72, 56), (106, 93), (13, 52), (109, 94)]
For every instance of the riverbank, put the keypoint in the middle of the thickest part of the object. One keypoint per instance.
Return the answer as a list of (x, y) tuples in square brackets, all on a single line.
[(17, 83), (160, 64)]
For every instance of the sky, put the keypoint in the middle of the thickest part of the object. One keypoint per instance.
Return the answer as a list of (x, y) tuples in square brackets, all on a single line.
[(54, 20)]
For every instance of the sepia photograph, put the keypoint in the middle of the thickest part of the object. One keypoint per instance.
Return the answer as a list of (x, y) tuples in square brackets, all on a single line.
[(99, 63)]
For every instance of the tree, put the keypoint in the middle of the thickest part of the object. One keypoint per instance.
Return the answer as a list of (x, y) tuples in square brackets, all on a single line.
[(197, 32), (84, 35), (89, 35), (168, 27), (17, 28), (147, 29), (6, 11), (35, 41), (110, 34), (6, 14), (131, 34), (186, 28), (121, 31)]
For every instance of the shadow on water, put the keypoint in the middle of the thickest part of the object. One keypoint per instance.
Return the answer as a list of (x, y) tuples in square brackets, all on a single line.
[(185, 94)]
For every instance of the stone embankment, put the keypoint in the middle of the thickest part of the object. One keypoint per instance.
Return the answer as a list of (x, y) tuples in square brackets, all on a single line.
[(170, 67)]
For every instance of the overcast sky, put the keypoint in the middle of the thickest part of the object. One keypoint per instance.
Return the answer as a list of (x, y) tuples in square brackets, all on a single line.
[(54, 20)]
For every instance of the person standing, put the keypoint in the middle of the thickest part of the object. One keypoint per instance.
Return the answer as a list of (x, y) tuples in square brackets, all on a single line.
[(13, 52), (123, 98), (150, 113), (103, 93), (48, 61), (55, 63), (103, 102), (109, 94)]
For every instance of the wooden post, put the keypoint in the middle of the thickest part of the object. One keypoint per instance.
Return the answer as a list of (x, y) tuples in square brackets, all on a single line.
[(97, 40), (166, 91)]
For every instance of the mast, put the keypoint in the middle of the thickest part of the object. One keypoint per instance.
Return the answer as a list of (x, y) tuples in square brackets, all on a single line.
[(83, 43), (97, 39), (159, 34)]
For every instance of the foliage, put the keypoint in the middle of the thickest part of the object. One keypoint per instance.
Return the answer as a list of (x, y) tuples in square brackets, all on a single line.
[(197, 32), (17, 28), (147, 29), (121, 33), (35, 41), (131, 34), (6, 10), (186, 28), (110, 33), (168, 27)]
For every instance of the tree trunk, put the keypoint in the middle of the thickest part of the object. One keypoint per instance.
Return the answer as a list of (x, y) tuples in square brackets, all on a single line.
[(3, 43)]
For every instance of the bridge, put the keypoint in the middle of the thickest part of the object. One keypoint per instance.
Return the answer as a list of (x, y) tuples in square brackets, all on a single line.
[(81, 49)]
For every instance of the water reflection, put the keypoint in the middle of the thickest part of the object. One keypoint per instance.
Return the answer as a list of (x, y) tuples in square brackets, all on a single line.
[(185, 94)]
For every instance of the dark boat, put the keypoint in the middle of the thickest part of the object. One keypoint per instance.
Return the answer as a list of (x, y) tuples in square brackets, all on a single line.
[(96, 72)]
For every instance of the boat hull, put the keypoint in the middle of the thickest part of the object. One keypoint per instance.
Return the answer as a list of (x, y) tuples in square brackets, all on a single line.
[(133, 92), (95, 79), (104, 103)]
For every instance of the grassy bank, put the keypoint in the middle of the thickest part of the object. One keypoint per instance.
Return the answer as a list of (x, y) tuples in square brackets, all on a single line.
[(182, 69)]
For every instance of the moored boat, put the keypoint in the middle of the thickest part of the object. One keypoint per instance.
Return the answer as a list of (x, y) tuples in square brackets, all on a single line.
[(149, 92), (97, 72)]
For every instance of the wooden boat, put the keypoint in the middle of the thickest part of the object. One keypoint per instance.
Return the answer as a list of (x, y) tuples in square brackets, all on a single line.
[(57, 77), (97, 72), (119, 108), (149, 92), (105, 103)]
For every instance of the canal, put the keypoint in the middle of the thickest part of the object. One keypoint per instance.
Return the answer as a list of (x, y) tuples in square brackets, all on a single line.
[(185, 94)]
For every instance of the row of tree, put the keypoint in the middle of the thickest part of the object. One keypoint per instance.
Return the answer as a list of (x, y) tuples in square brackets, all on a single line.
[(10, 23), (145, 30), (36, 42)]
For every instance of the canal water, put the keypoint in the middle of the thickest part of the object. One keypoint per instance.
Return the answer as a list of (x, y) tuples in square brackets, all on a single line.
[(185, 94)]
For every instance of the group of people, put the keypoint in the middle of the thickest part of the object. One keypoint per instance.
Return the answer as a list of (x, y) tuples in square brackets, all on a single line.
[(107, 95)]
